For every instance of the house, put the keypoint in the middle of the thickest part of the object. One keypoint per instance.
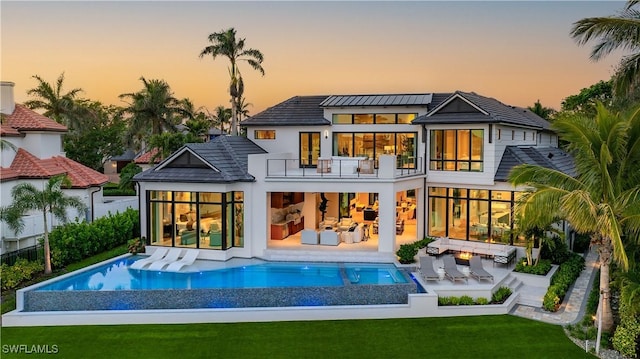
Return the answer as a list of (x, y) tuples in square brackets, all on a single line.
[(39, 156), (348, 177)]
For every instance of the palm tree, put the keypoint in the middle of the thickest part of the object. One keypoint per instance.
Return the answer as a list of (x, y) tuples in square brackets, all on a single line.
[(221, 117), (544, 112), (225, 44), (57, 105), (153, 109), (618, 32), (243, 108), (51, 199), (602, 200)]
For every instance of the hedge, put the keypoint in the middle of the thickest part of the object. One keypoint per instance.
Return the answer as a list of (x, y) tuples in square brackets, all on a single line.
[(407, 252), (22, 270), (76, 241), (564, 277)]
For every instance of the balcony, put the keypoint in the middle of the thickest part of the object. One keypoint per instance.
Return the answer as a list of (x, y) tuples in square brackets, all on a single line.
[(388, 167)]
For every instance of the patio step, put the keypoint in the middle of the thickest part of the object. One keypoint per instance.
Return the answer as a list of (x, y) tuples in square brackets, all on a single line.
[(531, 296)]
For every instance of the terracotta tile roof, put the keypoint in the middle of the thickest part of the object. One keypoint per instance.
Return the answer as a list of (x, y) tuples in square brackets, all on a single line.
[(26, 165), (9, 131), (24, 119), (147, 156)]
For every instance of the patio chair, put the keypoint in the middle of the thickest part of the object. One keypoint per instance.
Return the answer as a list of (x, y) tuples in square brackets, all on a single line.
[(451, 269), (477, 271), (188, 259), (172, 256), (155, 256), (426, 269)]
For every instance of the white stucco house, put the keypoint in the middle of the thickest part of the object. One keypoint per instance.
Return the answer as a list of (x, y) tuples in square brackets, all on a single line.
[(348, 177), (38, 156)]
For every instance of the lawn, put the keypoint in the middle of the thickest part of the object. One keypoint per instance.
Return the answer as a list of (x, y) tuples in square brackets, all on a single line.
[(493, 337)]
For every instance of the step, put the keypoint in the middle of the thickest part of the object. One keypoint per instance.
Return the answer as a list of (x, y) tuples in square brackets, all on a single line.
[(531, 296)]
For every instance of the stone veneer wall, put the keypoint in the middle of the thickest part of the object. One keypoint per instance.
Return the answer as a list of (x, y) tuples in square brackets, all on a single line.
[(37, 301)]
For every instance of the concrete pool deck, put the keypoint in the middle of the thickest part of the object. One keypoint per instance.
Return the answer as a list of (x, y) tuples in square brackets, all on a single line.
[(418, 305)]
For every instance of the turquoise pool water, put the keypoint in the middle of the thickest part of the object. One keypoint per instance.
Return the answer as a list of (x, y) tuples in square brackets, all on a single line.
[(117, 275)]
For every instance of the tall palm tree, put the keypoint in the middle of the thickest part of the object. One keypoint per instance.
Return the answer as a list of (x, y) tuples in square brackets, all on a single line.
[(603, 200), (56, 104), (225, 44), (51, 199), (153, 109), (542, 111), (616, 32), (243, 108)]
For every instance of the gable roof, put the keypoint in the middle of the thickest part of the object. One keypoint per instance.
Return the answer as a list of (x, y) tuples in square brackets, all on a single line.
[(422, 99), (296, 111), (27, 166), (549, 157), (225, 160), (487, 110), (146, 157), (25, 119)]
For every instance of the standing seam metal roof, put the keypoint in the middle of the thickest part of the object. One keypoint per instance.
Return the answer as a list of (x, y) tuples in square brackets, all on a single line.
[(377, 100)]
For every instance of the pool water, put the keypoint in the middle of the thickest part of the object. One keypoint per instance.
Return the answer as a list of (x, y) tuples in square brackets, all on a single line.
[(117, 275)]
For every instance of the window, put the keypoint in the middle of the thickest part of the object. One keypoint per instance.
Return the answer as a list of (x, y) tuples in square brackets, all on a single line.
[(456, 150), (373, 118), (374, 144), (513, 135), (264, 134), (499, 133)]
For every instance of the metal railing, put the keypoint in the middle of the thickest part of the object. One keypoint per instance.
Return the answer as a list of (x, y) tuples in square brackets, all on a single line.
[(32, 253), (339, 168)]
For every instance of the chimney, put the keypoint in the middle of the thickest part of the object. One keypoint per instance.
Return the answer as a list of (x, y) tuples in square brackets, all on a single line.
[(7, 104)]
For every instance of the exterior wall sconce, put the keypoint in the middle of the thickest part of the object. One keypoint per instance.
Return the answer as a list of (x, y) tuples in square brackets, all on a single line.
[(326, 134)]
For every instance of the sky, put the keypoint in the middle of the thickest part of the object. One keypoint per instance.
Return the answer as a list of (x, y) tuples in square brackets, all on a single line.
[(515, 51)]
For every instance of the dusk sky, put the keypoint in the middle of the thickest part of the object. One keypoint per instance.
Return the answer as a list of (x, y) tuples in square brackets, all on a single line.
[(515, 51)]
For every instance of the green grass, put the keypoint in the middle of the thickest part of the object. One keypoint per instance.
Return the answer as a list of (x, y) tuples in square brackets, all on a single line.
[(9, 297), (492, 337)]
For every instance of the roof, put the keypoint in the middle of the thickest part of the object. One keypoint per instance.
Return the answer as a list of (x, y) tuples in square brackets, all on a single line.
[(25, 119), (296, 111), (469, 107), (549, 157), (222, 160), (127, 155), (422, 99), (146, 157), (25, 165)]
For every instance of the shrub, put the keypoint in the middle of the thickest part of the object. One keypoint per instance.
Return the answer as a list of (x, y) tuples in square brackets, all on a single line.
[(542, 268), (136, 245), (558, 253), (406, 253), (500, 295), (23, 270), (75, 241), (466, 300), (627, 334), (482, 301), (566, 275), (581, 243)]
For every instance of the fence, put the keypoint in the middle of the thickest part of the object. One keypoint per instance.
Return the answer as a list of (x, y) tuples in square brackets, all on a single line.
[(32, 253)]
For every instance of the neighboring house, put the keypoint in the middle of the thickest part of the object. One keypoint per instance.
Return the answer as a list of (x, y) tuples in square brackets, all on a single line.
[(364, 172), (114, 165), (146, 159), (39, 156)]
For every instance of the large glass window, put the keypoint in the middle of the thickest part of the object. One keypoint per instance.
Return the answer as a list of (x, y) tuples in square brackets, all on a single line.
[(456, 150), (264, 134), (374, 118), (196, 219), (470, 214), (374, 144)]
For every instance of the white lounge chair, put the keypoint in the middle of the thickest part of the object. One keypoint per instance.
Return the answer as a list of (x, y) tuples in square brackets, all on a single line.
[(426, 269), (172, 256), (476, 269), (155, 256), (187, 260)]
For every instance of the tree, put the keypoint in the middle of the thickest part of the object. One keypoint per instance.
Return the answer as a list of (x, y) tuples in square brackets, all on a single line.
[(221, 118), (102, 137), (169, 142), (603, 199), (544, 112), (152, 110), (59, 106), (126, 176), (617, 32), (584, 103), (50, 200), (225, 44)]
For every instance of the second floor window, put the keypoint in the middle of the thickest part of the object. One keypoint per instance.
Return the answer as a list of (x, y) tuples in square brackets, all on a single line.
[(265, 134), (456, 150)]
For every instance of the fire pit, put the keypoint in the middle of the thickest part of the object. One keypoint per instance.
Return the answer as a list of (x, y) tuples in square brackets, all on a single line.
[(462, 258)]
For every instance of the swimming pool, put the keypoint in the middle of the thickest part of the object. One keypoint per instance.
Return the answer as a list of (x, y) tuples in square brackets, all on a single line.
[(113, 285)]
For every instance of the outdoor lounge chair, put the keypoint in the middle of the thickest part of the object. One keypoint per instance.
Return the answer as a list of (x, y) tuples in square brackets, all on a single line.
[(155, 256), (426, 269), (451, 269), (187, 260), (172, 256), (477, 271)]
